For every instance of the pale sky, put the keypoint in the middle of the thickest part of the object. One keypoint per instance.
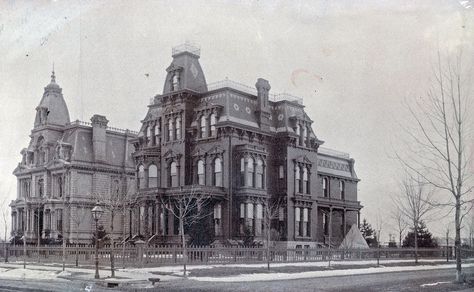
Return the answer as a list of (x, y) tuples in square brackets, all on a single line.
[(360, 60)]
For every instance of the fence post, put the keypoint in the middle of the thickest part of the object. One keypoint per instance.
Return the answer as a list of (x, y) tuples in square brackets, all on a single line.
[(140, 244)]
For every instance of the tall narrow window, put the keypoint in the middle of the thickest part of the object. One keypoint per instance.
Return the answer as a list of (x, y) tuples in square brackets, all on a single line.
[(60, 186), (200, 173), (148, 133), (173, 175), (305, 136), (40, 187), (259, 174), (217, 219), (325, 187), (158, 133), (250, 217), (342, 190), (298, 221), (218, 172), (141, 177), (250, 172), (325, 224), (213, 124), (203, 123), (242, 218), (175, 81), (305, 180), (152, 176), (59, 222), (298, 179), (242, 171), (306, 224), (170, 130), (178, 128), (281, 172)]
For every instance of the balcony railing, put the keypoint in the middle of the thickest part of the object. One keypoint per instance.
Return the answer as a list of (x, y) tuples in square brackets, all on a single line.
[(112, 129), (332, 152), (227, 83)]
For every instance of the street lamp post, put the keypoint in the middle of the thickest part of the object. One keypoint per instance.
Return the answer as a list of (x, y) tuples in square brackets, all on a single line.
[(96, 213)]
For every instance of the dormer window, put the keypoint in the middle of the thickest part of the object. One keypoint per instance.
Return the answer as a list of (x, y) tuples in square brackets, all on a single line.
[(175, 81)]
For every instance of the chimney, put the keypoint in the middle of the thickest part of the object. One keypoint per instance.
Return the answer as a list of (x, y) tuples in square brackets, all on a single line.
[(263, 106), (99, 126)]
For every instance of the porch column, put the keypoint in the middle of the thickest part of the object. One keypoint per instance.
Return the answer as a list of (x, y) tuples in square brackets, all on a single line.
[(330, 225), (146, 214), (344, 222)]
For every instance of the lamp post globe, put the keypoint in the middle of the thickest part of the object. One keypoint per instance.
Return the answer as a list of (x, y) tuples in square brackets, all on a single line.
[(97, 212)]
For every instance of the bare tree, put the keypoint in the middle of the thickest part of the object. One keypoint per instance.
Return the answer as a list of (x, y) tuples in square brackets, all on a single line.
[(115, 202), (189, 208), (271, 212), (81, 212), (400, 223), (439, 142), (415, 203), (5, 213)]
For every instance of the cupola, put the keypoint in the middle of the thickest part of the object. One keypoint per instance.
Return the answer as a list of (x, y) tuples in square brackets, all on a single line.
[(185, 72), (52, 109)]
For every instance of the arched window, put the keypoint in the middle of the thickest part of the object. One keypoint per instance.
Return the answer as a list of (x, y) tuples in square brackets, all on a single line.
[(305, 181), (141, 177), (342, 189), (201, 174), (298, 179), (178, 128), (173, 175), (170, 130), (175, 81), (173, 181), (218, 172), (213, 124), (325, 187), (203, 131), (250, 172), (152, 176), (259, 183)]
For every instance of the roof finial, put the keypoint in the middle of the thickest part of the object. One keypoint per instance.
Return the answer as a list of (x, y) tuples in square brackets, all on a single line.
[(53, 77)]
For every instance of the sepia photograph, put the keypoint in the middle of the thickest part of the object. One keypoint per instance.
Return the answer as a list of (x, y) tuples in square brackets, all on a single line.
[(221, 145)]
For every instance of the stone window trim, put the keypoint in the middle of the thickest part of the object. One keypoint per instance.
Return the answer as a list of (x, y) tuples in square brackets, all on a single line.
[(169, 129), (302, 129), (206, 119), (302, 185), (246, 169)]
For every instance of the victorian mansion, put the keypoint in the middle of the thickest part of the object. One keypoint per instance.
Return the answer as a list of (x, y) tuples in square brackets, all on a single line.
[(243, 147)]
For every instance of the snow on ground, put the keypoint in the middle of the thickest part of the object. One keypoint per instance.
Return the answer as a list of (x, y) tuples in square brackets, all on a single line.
[(433, 284), (314, 274), (27, 274), (179, 268)]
